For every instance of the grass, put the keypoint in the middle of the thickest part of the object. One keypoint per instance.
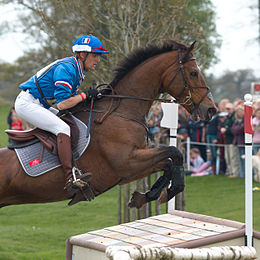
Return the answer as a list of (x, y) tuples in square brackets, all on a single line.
[(3, 125), (39, 231), (220, 196)]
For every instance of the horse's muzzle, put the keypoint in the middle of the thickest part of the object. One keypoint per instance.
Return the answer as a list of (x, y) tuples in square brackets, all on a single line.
[(203, 113), (211, 112)]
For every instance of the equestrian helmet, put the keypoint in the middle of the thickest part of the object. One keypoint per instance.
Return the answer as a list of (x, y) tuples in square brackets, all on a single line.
[(88, 43)]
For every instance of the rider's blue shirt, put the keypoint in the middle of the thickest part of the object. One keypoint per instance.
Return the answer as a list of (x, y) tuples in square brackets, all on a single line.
[(59, 80)]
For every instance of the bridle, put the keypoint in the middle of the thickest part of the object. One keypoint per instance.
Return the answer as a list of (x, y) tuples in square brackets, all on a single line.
[(188, 99)]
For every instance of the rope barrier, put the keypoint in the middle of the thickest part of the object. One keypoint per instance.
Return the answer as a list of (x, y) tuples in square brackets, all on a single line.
[(218, 145), (167, 253)]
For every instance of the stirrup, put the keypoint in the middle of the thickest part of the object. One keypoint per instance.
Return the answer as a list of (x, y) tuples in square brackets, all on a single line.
[(77, 181)]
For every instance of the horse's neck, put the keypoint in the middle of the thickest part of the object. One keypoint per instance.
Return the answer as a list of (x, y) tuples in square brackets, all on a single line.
[(143, 82)]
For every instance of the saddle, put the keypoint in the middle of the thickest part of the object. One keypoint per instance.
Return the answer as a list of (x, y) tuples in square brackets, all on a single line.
[(25, 138)]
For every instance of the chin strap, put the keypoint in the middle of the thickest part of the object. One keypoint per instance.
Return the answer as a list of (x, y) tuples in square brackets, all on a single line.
[(82, 60)]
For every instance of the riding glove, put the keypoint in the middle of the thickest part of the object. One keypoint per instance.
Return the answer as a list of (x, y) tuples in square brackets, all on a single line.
[(93, 93)]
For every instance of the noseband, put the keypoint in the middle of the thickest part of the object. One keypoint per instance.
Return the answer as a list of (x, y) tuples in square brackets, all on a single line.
[(188, 99)]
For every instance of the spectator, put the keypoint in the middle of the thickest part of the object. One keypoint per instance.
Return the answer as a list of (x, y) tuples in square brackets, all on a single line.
[(222, 104), (222, 140), (154, 119), (257, 103), (237, 130), (205, 168), (197, 133), (196, 161), (183, 116), (231, 151), (16, 122), (9, 118), (182, 135), (256, 134), (212, 138), (238, 102)]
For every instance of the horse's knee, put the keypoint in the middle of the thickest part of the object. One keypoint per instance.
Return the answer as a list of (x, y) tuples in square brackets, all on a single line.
[(173, 153), (179, 158), (176, 155)]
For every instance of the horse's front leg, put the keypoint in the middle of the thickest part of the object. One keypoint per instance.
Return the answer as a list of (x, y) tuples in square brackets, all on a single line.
[(167, 159)]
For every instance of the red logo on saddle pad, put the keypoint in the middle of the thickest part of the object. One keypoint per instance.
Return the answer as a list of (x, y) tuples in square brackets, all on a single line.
[(34, 162)]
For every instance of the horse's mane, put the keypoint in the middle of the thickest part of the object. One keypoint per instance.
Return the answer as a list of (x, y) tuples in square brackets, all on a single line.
[(139, 55)]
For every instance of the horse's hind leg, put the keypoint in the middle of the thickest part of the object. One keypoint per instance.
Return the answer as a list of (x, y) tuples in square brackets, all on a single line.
[(173, 172), (175, 175)]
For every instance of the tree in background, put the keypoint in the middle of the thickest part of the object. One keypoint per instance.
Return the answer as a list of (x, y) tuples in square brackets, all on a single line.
[(232, 84), (122, 25)]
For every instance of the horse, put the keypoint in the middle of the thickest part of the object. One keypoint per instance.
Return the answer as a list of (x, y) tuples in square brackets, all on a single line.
[(118, 152)]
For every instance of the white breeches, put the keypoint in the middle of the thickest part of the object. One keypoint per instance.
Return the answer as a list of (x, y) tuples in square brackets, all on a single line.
[(31, 110)]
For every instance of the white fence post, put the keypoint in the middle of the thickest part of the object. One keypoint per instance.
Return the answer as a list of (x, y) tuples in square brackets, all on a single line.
[(248, 169), (170, 120), (188, 153)]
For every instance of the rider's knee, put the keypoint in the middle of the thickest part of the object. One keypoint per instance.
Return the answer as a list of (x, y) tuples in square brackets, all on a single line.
[(63, 129)]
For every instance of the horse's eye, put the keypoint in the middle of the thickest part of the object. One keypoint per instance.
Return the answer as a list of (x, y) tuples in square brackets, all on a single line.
[(194, 74)]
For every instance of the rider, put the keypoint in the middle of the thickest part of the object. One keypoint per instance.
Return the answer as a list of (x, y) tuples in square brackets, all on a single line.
[(60, 81)]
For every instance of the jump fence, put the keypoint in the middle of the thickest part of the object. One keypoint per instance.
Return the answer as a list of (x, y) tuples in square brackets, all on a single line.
[(167, 253)]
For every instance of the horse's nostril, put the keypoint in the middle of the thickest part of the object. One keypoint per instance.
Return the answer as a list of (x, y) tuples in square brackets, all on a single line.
[(211, 112)]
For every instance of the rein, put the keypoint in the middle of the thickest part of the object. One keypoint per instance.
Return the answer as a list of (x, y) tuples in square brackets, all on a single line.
[(109, 87), (121, 115), (140, 98)]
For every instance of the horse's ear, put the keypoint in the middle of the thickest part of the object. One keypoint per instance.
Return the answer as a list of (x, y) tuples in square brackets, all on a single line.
[(191, 47), (187, 52)]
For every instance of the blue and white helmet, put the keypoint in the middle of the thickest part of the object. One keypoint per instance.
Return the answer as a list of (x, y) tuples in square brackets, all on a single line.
[(88, 43)]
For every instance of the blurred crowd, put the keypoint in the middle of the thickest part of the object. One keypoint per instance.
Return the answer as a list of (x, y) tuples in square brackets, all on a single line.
[(15, 123), (217, 146)]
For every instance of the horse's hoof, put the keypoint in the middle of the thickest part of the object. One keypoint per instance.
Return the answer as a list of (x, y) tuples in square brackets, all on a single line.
[(163, 197), (138, 200), (78, 196)]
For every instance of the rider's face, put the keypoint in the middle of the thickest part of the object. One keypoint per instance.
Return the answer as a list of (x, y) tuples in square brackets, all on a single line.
[(91, 61)]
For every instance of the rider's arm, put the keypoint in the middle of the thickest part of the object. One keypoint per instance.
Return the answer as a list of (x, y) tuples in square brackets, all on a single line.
[(71, 102), (65, 78)]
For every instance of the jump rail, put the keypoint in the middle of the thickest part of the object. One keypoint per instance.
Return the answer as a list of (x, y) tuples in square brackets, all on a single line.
[(166, 253)]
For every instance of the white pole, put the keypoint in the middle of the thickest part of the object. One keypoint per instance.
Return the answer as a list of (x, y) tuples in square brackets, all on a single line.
[(173, 142), (248, 170), (188, 153), (173, 137), (170, 120)]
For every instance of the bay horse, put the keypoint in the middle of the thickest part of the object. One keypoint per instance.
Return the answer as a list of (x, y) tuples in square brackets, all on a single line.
[(118, 152)]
